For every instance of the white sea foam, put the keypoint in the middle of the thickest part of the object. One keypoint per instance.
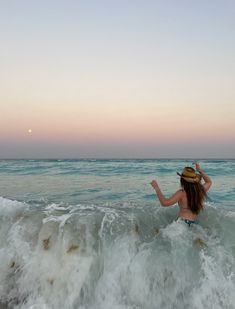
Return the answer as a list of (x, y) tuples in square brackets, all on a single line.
[(100, 258), (11, 209)]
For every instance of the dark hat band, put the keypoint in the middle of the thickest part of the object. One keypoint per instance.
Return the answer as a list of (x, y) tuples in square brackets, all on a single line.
[(183, 175)]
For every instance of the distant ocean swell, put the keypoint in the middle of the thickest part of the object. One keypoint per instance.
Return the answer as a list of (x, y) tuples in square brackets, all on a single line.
[(126, 257)]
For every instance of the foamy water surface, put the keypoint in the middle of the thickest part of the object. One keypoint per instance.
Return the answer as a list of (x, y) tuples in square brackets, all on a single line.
[(91, 234)]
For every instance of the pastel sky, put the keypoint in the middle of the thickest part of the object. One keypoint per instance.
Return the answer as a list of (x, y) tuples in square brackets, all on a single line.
[(117, 79)]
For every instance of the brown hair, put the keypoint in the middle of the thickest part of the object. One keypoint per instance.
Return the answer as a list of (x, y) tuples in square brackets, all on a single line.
[(196, 194)]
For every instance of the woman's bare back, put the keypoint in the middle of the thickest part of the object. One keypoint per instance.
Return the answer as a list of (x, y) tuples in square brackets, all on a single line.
[(185, 212)]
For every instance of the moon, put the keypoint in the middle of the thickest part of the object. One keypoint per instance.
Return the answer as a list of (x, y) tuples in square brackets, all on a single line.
[(30, 131)]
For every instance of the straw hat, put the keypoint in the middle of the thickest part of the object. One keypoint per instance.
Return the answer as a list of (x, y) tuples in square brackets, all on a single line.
[(189, 174)]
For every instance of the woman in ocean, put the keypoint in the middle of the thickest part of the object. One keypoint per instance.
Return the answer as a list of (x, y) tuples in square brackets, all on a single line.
[(190, 197)]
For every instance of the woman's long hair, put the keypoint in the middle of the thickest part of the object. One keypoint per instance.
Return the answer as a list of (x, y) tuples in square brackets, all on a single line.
[(196, 194)]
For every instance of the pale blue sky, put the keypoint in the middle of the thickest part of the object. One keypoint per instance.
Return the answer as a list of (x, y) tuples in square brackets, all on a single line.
[(117, 78)]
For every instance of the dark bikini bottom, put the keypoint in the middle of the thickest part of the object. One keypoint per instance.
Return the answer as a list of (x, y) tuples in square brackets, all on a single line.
[(189, 222)]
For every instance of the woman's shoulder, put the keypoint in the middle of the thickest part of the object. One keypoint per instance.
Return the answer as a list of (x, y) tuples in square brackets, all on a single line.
[(180, 193)]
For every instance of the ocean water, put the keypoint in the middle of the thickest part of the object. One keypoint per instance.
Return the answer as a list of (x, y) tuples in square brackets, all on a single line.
[(91, 234)]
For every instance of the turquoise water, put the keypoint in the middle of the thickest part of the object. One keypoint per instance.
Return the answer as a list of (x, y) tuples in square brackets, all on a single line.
[(91, 234), (75, 181)]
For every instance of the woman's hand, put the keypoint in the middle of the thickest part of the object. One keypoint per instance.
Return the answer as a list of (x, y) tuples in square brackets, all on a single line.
[(197, 166), (154, 184)]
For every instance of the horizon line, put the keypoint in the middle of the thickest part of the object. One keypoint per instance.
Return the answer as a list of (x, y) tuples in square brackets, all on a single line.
[(121, 158)]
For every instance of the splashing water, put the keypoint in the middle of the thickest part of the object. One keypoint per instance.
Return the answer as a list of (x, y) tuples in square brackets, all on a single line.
[(109, 254)]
